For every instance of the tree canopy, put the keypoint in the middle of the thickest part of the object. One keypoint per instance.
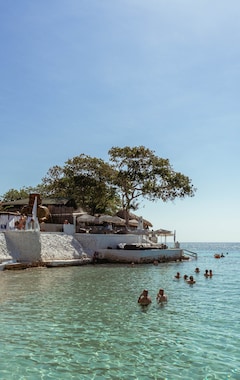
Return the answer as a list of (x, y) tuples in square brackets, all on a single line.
[(14, 195), (87, 180), (139, 173), (131, 175)]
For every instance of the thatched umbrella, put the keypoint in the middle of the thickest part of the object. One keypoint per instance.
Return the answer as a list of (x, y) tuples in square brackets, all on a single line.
[(162, 232), (133, 223), (122, 214), (86, 218), (111, 219)]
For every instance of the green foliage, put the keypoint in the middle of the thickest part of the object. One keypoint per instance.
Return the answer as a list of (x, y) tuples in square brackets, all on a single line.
[(132, 174), (141, 174), (13, 194), (87, 180), (54, 183)]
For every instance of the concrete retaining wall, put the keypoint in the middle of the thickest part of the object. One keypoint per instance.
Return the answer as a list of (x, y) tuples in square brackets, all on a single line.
[(100, 241), (23, 246), (32, 246)]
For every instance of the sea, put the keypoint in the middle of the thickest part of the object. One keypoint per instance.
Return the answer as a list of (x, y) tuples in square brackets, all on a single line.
[(84, 322)]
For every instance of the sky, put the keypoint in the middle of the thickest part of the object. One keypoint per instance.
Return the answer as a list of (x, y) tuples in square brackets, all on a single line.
[(83, 76)]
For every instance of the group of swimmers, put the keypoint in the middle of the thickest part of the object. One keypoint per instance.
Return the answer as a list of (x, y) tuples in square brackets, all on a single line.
[(145, 300), (190, 280), (208, 272)]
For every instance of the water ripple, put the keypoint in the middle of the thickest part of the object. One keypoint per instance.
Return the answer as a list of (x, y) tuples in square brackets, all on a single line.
[(84, 323)]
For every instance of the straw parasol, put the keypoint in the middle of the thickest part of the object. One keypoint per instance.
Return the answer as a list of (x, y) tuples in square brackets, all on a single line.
[(86, 218), (111, 219), (121, 214), (133, 223), (162, 232)]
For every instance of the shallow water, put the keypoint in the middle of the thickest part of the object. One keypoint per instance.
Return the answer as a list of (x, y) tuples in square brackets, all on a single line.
[(84, 322)]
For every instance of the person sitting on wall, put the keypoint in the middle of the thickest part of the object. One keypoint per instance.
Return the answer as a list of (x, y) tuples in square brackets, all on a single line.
[(20, 224)]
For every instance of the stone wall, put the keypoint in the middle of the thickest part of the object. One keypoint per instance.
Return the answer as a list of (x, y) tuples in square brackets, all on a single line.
[(32, 246), (24, 246)]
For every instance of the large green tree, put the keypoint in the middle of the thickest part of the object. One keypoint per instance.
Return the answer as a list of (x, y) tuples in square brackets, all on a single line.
[(91, 179), (139, 173), (87, 180), (132, 174)]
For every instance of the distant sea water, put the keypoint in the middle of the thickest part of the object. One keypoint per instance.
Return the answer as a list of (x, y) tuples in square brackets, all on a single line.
[(85, 323)]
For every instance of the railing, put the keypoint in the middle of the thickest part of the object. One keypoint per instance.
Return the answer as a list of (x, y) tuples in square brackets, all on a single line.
[(190, 253)]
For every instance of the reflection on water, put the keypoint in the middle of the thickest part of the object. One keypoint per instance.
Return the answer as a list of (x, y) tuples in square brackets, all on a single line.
[(85, 323)]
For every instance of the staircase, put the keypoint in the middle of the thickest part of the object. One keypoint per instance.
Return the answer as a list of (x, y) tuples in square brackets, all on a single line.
[(190, 253)]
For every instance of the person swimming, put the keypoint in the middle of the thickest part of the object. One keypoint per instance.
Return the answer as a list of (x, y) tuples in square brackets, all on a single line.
[(178, 275), (144, 299), (191, 280), (161, 297)]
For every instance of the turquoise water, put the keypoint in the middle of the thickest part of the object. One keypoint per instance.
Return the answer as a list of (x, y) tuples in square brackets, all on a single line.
[(84, 322)]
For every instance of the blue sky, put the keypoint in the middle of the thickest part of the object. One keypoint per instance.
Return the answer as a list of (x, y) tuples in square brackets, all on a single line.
[(82, 76)]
